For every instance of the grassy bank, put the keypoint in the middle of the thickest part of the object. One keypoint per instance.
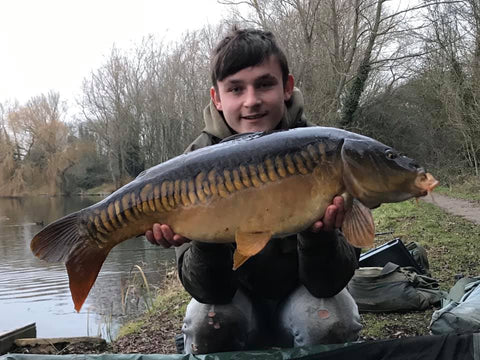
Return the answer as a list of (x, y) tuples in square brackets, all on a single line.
[(468, 188), (155, 331), (451, 242)]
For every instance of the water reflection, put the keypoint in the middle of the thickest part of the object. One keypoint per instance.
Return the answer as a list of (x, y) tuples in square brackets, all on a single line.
[(32, 290)]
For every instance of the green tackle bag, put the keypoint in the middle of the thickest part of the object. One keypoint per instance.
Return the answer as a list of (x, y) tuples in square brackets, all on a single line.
[(393, 288)]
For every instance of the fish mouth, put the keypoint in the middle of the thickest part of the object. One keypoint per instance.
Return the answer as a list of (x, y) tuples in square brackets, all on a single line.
[(425, 183)]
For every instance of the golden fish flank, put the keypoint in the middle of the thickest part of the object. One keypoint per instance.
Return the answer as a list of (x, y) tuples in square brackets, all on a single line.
[(272, 175), (163, 196), (222, 190), (156, 198), (312, 151), (137, 213), (280, 166), (294, 174), (128, 203), (228, 181), (199, 180), (112, 216), (289, 164), (171, 197), (118, 211), (245, 177), (237, 181)]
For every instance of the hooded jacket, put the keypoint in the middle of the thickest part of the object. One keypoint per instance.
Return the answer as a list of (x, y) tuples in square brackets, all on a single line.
[(324, 262)]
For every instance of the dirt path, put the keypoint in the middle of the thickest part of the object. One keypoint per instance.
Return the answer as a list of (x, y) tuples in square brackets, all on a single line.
[(469, 210)]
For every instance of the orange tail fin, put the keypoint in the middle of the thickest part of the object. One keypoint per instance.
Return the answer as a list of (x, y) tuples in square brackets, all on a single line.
[(62, 240), (83, 268)]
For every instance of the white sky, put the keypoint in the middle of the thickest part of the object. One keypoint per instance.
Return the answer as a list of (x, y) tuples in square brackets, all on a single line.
[(53, 44)]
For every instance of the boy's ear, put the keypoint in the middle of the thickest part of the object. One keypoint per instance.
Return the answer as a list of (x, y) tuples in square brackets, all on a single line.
[(288, 88), (216, 98)]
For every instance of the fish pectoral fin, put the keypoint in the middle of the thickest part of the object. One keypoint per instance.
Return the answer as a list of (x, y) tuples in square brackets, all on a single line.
[(249, 244), (358, 225), (83, 268)]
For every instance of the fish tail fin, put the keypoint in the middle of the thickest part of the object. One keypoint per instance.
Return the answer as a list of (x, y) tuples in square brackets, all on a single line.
[(63, 240), (83, 268)]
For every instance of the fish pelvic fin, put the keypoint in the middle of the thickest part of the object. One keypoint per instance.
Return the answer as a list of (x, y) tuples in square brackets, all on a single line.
[(358, 225), (63, 240), (248, 245), (239, 259)]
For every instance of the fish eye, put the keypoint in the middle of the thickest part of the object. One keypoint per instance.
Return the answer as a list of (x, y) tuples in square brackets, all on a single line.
[(390, 154)]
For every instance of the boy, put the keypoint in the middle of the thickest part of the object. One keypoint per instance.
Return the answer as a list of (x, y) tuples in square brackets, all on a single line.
[(293, 292)]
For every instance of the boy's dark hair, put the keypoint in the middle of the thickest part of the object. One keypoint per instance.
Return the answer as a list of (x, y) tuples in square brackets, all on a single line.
[(242, 48)]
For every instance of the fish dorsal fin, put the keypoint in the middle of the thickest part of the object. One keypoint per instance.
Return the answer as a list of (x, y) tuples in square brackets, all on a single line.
[(249, 244), (358, 225), (244, 136)]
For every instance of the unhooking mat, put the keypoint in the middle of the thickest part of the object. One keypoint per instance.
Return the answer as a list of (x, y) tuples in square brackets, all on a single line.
[(440, 347)]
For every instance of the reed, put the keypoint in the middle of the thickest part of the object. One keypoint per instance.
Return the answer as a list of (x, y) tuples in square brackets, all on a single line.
[(136, 290)]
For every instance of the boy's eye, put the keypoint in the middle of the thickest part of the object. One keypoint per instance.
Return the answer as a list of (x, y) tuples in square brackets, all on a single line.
[(265, 84), (235, 89)]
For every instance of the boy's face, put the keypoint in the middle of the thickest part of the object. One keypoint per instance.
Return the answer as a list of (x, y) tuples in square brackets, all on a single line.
[(253, 99)]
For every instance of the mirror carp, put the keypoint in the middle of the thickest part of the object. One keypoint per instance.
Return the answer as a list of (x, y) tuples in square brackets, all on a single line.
[(247, 189)]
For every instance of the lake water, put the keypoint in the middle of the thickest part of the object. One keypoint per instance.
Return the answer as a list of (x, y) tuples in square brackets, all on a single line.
[(32, 290)]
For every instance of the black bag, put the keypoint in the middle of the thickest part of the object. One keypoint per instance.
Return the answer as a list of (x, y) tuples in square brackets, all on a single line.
[(410, 255)]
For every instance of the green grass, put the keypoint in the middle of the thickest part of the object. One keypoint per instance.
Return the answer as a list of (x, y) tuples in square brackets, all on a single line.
[(468, 189), (453, 247), (130, 328), (452, 243), (172, 297)]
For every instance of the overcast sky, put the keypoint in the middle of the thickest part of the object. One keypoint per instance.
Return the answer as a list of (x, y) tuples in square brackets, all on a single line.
[(53, 44)]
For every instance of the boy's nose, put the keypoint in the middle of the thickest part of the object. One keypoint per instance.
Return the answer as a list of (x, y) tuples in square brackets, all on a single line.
[(251, 98)]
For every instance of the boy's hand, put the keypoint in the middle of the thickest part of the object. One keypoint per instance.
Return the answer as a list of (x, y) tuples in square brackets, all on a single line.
[(162, 234), (333, 218)]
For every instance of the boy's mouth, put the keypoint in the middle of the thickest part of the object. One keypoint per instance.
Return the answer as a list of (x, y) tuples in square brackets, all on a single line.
[(254, 116)]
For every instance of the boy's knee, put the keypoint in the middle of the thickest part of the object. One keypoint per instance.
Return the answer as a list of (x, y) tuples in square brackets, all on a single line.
[(307, 320), (214, 328)]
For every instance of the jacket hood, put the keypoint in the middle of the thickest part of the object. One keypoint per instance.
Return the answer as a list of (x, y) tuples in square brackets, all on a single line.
[(215, 123)]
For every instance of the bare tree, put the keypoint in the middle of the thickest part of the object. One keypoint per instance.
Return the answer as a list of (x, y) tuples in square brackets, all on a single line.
[(42, 149), (340, 51), (145, 106), (110, 104), (453, 41)]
